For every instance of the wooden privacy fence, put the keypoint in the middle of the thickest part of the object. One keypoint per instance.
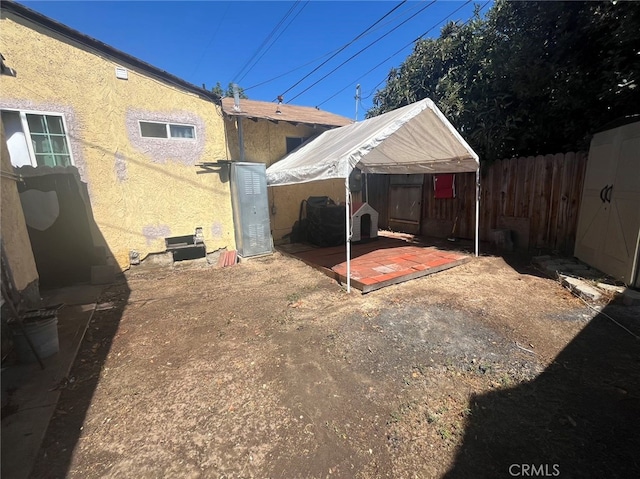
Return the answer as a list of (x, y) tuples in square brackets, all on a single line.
[(536, 198)]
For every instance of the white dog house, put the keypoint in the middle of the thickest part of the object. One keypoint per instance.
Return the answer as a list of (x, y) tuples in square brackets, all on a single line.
[(364, 221)]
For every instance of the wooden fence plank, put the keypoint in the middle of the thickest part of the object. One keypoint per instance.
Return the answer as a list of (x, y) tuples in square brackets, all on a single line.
[(562, 226), (554, 188), (519, 192), (529, 187), (575, 199), (486, 179)]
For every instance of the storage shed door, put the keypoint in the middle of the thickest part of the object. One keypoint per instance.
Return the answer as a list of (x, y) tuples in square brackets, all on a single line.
[(609, 221)]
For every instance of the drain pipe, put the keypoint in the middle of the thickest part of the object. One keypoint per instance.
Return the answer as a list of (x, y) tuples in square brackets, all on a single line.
[(236, 108), (240, 138)]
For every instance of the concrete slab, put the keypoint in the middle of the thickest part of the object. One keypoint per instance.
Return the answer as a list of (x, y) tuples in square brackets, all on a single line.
[(72, 295), (581, 288), (102, 274), (30, 394), (611, 288)]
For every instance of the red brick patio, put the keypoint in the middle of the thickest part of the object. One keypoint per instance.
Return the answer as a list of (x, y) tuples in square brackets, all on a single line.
[(388, 260)]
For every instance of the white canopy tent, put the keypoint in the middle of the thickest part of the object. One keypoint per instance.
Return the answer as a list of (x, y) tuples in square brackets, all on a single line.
[(416, 138)]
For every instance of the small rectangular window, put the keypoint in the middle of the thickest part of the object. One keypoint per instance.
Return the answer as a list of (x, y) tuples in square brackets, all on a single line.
[(153, 130), (181, 131), (293, 143), (150, 129)]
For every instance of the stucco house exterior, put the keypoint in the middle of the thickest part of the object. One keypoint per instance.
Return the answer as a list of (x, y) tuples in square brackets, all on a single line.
[(265, 132), (122, 138)]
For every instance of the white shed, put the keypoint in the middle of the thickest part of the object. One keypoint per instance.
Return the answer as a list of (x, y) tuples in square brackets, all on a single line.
[(608, 234)]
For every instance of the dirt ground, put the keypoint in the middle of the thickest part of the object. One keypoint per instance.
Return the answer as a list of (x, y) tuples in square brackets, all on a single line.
[(268, 369)]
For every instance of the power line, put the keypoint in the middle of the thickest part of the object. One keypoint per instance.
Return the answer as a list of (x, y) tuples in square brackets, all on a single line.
[(394, 54), (290, 71), (420, 38), (343, 47), (267, 39), (215, 33), (273, 42), (362, 50), (337, 50)]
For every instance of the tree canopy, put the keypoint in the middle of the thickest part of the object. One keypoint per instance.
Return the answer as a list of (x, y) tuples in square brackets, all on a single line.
[(529, 78), (229, 91)]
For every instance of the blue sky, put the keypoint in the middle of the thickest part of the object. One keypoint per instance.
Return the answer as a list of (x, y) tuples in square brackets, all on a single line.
[(214, 41)]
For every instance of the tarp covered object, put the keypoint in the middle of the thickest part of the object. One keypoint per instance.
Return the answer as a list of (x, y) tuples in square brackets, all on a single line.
[(416, 138)]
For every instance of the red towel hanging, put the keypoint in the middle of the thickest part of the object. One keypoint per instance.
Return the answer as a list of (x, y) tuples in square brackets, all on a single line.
[(444, 185)]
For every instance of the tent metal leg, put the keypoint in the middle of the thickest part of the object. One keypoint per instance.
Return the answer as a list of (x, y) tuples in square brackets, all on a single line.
[(478, 211), (347, 210)]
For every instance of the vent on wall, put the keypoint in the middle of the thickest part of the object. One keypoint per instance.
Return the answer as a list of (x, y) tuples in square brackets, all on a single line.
[(122, 73)]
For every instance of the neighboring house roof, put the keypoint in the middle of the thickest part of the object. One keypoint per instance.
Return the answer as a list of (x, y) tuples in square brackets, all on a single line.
[(264, 110), (113, 53)]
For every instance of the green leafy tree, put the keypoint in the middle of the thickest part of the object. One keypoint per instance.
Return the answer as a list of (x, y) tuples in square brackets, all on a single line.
[(529, 78), (229, 91)]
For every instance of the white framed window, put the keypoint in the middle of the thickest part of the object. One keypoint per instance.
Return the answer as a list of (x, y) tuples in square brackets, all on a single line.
[(37, 138), (154, 129)]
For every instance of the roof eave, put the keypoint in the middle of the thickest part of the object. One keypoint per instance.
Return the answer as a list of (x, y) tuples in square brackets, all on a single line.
[(276, 120), (114, 53)]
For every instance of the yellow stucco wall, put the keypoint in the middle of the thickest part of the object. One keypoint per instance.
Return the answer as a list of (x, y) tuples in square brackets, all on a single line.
[(15, 238), (142, 190), (266, 142)]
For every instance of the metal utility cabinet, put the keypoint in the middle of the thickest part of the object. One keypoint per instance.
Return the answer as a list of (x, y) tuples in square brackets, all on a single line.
[(608, 234), (250, 209)]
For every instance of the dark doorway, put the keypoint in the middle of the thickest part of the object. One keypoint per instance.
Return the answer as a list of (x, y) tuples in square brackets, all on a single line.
[(365, 226)]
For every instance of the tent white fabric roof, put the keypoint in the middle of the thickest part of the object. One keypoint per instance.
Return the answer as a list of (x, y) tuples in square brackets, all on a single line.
[(416, 138)]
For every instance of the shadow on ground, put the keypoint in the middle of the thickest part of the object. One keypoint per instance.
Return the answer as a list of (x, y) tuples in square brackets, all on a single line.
[(579, 419), (65, 429), (73, 262)]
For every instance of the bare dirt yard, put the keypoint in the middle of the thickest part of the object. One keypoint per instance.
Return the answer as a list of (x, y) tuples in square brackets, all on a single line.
[(268, 369)]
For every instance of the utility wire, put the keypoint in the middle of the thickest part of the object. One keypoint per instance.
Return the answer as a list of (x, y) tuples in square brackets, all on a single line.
[(362, 50), (337, 50), (394, 54), (273, 42), (215, 33), (416, 40), (267, 39), (290, 71), (342, 48)]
